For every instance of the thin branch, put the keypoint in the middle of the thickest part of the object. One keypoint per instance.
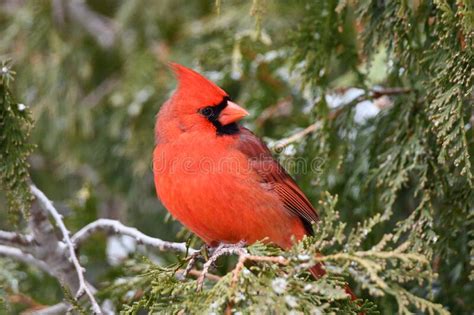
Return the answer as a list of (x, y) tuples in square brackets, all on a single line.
[(378, 92), (281, 109), (83, 287), (11, 6), (281, 144), (105, 87), (15, 239), (335, 113), (58, 9), (98, 26), (116, 227), (26, 258)]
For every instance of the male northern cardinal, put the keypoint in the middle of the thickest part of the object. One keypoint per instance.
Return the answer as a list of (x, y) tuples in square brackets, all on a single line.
[(217, 178)]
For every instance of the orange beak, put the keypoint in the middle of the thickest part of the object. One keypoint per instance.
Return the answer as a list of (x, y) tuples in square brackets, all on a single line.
[(231, 113)]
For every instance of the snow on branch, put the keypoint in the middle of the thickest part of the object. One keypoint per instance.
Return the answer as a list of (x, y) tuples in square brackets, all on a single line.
[(26, 258), (55, 253), (46, 204), (15, 239), (115, 227)]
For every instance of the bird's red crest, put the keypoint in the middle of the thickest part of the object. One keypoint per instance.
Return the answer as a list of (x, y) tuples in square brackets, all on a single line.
[(195, 90)]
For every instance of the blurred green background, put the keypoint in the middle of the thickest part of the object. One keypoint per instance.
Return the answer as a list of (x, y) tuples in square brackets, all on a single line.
[(94, 75)]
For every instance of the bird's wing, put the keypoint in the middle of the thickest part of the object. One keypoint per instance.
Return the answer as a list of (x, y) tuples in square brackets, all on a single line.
[(276, 178)]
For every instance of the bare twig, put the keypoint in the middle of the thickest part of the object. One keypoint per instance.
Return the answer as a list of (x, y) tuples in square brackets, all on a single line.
[(83, 286), (297, 136), (11, 6), (26, 258), (15, 239), (97, 25), (335, 113), (282, 143), (59, 14), (198, 273), (378, 92), (115, 227), (281, 109), (105, 87)]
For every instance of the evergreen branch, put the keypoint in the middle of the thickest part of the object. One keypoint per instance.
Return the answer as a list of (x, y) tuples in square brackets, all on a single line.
[(15, 126), (257, 11), (236, 249), (423, 304), (245, 257), (372, 267), (116, 227), (197, 273), (386, 162), (83, 287), (406, 257)]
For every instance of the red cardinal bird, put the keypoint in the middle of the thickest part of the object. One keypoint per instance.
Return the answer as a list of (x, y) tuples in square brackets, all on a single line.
[(217, 178)]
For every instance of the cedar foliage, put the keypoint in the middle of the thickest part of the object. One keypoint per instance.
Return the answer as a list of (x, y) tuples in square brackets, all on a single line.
[(15, 125), (394, 189)]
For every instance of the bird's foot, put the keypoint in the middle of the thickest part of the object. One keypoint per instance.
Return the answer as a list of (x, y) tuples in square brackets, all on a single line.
[(227, 249), (216, 252), (192, 259)]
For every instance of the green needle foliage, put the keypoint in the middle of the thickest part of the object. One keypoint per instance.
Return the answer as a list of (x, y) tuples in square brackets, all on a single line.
[(383, 269), (15, 126), (386, 86)]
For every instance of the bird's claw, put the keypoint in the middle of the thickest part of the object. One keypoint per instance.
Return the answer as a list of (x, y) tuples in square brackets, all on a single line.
[(216, 252), (191, 262), (227, 249)]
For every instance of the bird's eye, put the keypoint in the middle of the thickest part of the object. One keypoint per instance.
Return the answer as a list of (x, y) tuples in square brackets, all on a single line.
[(207, 111)]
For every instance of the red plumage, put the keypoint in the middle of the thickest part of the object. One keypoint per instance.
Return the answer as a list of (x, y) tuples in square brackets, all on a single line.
[(225, 188), (217, 178)]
